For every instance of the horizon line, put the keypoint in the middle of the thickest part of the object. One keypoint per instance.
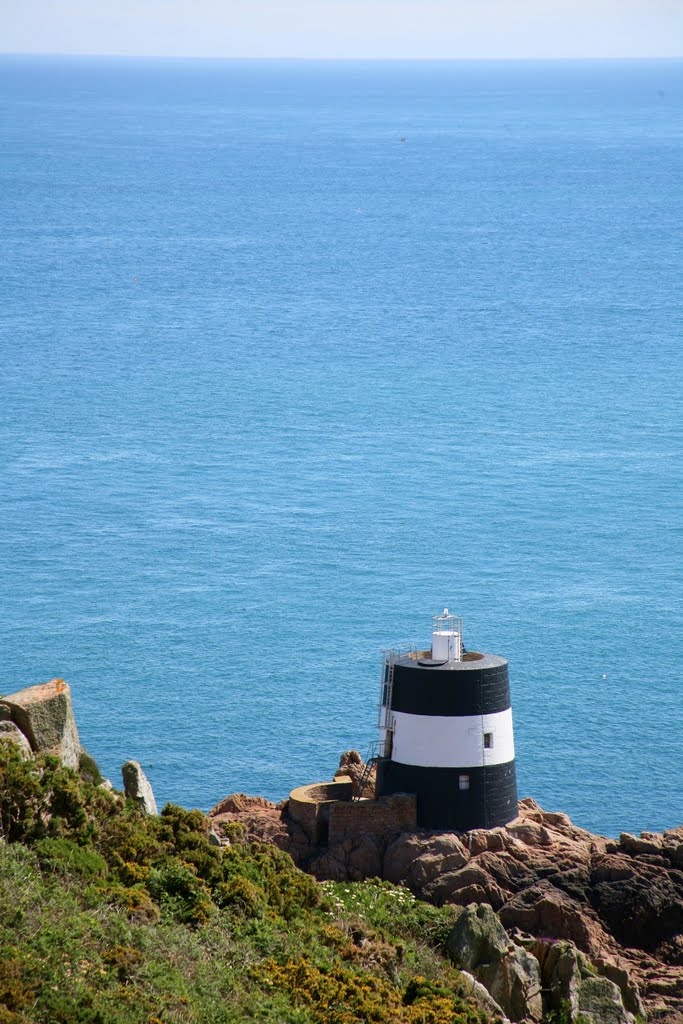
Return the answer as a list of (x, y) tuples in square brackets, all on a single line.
[(339, 59)]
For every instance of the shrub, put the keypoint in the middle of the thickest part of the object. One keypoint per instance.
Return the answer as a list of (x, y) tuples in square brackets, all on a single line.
[(63, 856), (125, 961), (21, 796), (15, 990), (89, 770), (234, 831), (180, 893), (241, 895)]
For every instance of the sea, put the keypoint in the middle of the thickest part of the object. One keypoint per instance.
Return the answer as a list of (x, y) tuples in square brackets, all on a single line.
[(296, 354)]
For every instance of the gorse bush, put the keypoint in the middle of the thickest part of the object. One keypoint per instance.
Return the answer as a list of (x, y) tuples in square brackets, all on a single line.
[(108, 916), (67, 857), (340, 994)]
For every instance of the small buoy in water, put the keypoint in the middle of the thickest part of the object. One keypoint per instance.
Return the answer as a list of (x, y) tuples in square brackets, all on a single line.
[(403, 139), (604, 676)]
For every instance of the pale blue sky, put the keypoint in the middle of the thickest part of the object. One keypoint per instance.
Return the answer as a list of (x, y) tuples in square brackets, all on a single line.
[(346, 28)]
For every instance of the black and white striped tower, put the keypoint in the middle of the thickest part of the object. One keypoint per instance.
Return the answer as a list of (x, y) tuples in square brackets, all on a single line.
[(446, 732)]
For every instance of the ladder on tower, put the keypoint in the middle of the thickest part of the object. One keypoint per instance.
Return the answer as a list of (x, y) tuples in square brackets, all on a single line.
[(370, 763), (387, 689)]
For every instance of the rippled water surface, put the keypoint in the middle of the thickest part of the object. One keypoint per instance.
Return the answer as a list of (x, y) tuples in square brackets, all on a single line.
[(293, 355)]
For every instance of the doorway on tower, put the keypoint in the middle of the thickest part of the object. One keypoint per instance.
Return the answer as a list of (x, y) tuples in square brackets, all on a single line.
[(322, 822)]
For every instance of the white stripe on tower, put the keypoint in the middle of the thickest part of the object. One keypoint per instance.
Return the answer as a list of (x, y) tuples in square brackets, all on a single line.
[(433, 741)]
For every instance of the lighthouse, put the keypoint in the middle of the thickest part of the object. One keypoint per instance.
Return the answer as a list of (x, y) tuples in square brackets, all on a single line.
[(446, 732)]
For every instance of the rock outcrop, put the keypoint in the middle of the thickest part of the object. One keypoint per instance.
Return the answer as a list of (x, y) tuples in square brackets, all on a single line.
[(599, 991), (11, 733), (511, 975), (137, 787), (554, 887), (363, 776), (354, 859), (44, 714)]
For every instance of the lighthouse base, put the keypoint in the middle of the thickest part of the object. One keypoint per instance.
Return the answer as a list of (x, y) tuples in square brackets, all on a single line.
[(454, 799)]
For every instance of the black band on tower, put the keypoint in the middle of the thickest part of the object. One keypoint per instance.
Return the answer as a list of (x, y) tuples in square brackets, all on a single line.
[(458, 688), (487, 799)]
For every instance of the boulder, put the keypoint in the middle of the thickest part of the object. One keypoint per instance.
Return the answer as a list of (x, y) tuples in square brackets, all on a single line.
[(531, 833), (481, 996), (352, 766), (478, 943), (562, 968), (239, 803), (45, 716), (599, 1000), (545, 910), (570, 980), (350, 757), (477, 937), (417, 860), (470, 884), (11, 733), (137, 787), (630, 994), (672, 837), (647, 842), (479, 840), (514, 982)]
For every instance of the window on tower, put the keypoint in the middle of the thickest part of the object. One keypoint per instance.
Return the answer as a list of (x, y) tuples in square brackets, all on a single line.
[(463, 782), (488, 740)]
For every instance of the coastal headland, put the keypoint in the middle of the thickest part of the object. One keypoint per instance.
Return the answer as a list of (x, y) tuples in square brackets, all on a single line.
[(540, 920)]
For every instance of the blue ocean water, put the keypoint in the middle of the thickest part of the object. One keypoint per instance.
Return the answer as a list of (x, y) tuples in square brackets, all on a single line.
[(295, 354)]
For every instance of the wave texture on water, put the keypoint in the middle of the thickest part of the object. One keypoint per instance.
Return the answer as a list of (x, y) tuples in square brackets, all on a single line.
[(278, 385)]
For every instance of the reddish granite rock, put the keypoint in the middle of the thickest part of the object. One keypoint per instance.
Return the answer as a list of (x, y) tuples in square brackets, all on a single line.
[(545, 910), (239, 803), (647, 842), (351, 860), (471, 884), (416, 859), (363, 777), (264, 822)]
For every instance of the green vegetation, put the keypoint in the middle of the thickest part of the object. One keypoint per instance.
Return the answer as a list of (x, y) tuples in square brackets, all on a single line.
[(109, 917)]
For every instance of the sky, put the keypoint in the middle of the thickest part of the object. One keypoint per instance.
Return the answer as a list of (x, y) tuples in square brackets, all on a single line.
[(345, 28)]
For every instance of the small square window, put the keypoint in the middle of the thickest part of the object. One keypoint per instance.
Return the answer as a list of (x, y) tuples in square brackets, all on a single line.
[(463, 782), (488, 741)]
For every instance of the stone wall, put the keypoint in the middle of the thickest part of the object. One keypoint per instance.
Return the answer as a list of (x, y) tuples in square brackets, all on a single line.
[(384, 817), (328, 814), (310, 805)]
